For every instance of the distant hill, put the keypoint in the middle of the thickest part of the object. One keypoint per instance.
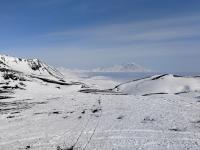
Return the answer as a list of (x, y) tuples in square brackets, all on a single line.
[(131, 67), (160, 84)]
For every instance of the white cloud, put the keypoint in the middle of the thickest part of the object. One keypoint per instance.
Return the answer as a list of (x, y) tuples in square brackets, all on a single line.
[(148, 42), (149, 31)]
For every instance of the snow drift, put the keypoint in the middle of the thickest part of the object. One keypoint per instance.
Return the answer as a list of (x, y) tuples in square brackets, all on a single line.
[(162, 84)]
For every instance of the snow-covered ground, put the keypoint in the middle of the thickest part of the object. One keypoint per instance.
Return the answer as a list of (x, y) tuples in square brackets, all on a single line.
[(49, 113)]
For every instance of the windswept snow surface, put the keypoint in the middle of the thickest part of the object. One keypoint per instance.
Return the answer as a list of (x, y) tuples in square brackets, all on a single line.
[(40, 115), (166, 84)]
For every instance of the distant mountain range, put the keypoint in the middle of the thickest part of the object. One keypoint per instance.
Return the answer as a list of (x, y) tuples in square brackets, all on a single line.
[(131, 67)]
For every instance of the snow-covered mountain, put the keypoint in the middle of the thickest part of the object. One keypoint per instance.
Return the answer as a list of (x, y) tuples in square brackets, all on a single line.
[(160, 84), (33, 67), (131, 67), (29, 74)]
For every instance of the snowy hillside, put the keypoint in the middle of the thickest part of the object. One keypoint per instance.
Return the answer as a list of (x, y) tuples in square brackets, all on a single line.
[(29, 67), (25, 75), (164, 84), (132, 67)]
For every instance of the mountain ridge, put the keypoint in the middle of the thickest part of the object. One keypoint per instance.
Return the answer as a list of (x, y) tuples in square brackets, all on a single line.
[(29, 67), (128, 67)]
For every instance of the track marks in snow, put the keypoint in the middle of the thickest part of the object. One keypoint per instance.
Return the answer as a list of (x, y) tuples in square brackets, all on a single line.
[(88, 115), (96, 126)]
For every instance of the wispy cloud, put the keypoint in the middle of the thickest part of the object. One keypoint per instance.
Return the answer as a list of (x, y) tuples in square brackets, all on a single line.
[(44, 3), (148, 31), (145, 42)]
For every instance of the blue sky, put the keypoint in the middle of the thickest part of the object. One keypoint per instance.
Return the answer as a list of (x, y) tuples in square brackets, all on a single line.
[(163, 35)]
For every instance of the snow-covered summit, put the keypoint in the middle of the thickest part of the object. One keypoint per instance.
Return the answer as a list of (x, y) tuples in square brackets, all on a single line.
[(131, 67), (29, 67), (32, 75), (160, 84)]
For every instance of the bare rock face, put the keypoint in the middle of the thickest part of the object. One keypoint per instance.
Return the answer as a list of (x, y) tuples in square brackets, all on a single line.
[(34, 64)]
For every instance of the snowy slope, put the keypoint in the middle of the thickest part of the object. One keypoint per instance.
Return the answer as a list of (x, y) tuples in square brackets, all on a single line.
[(29, 67), (47, 118), (132, 67), (164, 84), (18, 74)]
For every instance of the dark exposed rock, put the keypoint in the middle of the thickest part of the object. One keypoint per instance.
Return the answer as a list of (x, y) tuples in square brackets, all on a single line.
[(120, 117), (12, 87), (13, 76), (5, 97), (55, 112), (70, 148), (96, 110), (35, 65), (28, 147), (83, 112), (97, 91), (10, 117), (154, 94), (56, 82), (158, 77), (17, 106), (175, 129)]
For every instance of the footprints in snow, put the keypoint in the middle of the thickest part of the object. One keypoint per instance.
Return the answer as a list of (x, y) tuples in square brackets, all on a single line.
[(148, 119)]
